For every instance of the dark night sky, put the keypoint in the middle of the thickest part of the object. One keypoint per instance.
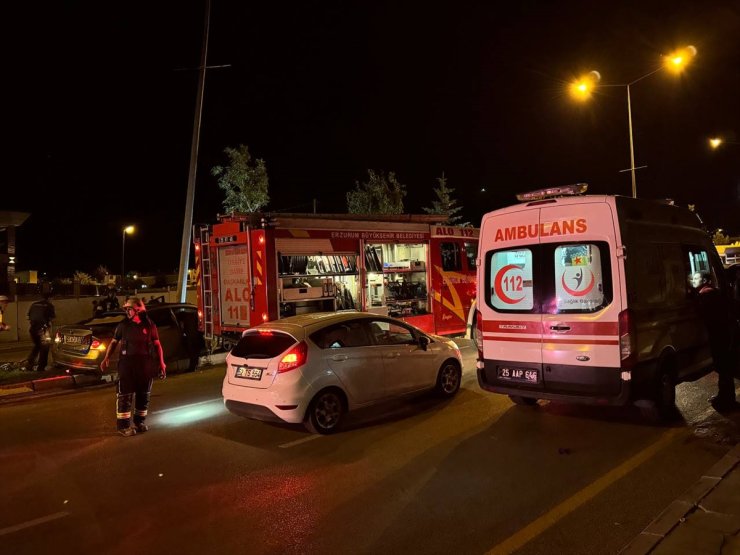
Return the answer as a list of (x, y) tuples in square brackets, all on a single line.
[(103, 93)]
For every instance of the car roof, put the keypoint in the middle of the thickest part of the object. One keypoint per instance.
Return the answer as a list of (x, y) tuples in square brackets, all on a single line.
[(302, 322)]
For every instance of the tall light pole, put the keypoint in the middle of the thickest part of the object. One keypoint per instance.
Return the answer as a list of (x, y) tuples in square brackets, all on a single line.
[(182, 274), (583, 88), (128, 230)]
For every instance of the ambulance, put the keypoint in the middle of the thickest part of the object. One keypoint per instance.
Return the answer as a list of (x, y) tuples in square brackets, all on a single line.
[(586, 299)]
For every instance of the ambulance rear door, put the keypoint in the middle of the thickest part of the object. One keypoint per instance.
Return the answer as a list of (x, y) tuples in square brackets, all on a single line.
[(511, 320), (580, 300)]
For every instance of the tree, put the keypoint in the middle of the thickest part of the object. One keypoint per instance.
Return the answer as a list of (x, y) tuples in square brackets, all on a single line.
[(244, 180), (720, 238), (101, 273), (445, 205), (82, 278), (379, 195)]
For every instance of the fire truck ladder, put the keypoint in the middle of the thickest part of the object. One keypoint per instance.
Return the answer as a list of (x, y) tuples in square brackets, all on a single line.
[(206, 284)]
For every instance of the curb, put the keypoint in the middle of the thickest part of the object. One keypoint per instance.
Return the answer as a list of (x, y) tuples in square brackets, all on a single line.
[(676, 512)]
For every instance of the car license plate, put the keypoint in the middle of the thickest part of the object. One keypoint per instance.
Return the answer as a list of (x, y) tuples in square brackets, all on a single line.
[(73, 339), (249, 373), (526, 375)]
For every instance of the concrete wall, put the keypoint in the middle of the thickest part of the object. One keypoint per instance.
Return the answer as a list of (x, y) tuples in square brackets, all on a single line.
[(69, 311)]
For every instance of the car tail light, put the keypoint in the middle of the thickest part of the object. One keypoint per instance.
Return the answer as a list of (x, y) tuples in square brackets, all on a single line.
[(294, 358), (627, 348), (97, 344)]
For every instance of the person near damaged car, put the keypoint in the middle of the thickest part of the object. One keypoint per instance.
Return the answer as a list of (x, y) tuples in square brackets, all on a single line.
[(40, 316), (141, 359), (715, 312)]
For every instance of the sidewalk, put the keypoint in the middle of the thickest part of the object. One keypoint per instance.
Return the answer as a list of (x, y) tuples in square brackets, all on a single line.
[(704, 520)]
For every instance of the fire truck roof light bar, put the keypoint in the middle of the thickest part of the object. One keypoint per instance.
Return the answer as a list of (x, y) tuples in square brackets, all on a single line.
[(550, 192)]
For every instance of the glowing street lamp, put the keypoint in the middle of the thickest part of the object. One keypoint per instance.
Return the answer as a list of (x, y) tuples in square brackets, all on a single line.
[(583, 88), (716, 142), (128, 230)]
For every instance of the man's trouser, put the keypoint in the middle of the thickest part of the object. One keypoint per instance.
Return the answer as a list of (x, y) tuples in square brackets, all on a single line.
[(134, 387), (40, 348)]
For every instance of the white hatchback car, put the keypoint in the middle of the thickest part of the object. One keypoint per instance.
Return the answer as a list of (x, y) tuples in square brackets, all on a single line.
[(316, 367)]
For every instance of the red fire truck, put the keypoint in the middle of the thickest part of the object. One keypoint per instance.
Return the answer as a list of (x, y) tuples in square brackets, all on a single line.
[(253, 268)]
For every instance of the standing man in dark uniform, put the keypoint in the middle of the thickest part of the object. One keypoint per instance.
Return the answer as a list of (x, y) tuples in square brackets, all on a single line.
[(141, 358), (715, 312), (40, 315)]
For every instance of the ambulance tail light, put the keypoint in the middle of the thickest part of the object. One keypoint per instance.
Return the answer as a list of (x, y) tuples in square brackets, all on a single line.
[(294, 358), (479, 333), (627, 347)]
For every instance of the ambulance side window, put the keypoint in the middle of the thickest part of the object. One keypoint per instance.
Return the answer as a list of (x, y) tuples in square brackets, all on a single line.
[(581, 278), (509, 280), (657, 275), (451, 261), (698, 262)]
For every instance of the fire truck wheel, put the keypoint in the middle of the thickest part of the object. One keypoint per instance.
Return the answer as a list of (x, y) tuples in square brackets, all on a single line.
[(324, 415), (448, 379), (524, 401)]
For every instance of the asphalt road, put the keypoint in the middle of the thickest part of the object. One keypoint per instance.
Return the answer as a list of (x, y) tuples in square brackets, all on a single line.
[(472, 475)]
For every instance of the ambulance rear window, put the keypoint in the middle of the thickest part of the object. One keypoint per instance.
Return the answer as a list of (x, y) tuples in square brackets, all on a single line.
[(509, 280), (579, 278)]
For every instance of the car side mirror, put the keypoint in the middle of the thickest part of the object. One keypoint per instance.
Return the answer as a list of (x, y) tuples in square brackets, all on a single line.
[(423, 342)]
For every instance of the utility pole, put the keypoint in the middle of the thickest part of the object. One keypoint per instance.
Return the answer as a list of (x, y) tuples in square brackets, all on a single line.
[(187, 227)]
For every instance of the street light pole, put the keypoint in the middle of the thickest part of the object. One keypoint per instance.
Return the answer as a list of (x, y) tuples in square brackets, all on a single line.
[(583, 88), (632, 145), (126, 230)]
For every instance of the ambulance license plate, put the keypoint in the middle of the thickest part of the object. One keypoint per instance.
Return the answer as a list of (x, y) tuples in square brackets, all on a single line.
[(526, 375), (249, 373)]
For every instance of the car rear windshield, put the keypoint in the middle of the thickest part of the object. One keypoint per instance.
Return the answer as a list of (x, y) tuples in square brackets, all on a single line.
[(262, 344)]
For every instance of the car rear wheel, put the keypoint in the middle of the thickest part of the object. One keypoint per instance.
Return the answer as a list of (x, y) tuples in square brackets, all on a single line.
[(448, 379), (523, 401), (324, 415)]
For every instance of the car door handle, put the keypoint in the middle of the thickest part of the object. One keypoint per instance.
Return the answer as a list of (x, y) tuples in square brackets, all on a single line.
[(339, 357), (560, 329)]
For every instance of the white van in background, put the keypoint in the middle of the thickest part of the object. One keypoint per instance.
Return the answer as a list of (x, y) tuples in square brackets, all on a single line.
[(586, 299)]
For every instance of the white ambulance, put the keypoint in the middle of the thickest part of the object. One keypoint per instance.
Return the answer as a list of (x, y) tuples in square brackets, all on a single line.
[(586, 299)]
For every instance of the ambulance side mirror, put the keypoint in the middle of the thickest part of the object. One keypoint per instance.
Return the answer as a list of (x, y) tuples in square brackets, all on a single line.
[(423, 342)]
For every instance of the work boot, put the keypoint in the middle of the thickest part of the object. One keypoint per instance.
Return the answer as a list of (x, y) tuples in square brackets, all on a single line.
[(141, 428), (127, 432)]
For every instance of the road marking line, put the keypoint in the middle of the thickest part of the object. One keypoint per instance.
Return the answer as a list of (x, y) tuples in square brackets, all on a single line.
[(187, 406), (299, 441), (537, 527), (31, 523)]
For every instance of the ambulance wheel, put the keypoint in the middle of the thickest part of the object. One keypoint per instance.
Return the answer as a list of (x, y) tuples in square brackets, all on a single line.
[(663, 406), (325, 413), (524, 401), (448, 379)]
